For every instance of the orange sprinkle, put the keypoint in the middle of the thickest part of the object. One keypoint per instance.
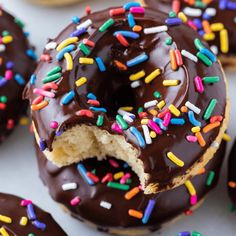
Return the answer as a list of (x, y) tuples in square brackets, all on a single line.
[(153, 112), (200, 139), (120, 65), (137, 28), (201, 171), (133, 192), (206, 26), (207, 2), (232, 184), (39, 106), (190, 2), (136, 214), (173, 61), (184, 109), (210, 127)]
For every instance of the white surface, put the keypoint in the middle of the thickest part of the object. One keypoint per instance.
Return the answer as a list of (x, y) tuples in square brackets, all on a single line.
[(18, 170)]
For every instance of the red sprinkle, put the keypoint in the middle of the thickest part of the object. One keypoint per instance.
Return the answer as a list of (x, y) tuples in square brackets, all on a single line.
[(107, 178), (88, 42), (117, 11), (122, 40), (143, 114), (93, 177), (85, 112), (37, 100), (162, 114), (49, 86), (216, 118), (95, 103), (45, 57), (178, 57), (2, 106)]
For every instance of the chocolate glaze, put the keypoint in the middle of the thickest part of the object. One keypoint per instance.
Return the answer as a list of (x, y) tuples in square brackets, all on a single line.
[(112, 89), (10, 206), (23, 65), (226, 17), (169, 204)]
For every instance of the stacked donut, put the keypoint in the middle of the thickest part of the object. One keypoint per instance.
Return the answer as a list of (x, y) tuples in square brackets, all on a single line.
[(137, 85), (55, 2)]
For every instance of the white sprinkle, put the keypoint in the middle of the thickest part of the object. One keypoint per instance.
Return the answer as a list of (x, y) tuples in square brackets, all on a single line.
[(85, 24), (193, 107), (135, 84), (215, 144), (69, 186), (2, 48), (123, 113), (211, 11), (194, 12), (146, 134), (154, 30), (128, 119), (150, 104), (189, 55), (106, 205), (215, 49), (51, 45)]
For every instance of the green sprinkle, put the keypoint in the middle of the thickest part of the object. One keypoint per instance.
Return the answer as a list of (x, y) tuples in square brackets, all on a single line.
[(128, 181), (118, 186), (204, 59), (31, 234), (210, 178), (121, 122), (198, 44), (3, 99), (199, 4), (93, 171), (84, 49), (5, 33), (54, 70), (211, 79), (140, 109), (232, 207), (106, 25), (157, 94), (172, 14), (51, 78), (100, 120), (169, 41), (19, 22), (195, 233), (210, 109)]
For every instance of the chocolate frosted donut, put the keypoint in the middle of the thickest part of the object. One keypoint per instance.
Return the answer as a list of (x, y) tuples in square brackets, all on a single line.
[(215, 21), (21, 217), (122, 210), (131, 83), (17, 62)]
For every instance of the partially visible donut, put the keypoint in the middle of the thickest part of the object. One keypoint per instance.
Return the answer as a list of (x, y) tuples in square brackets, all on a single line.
[(21, 217), (215, 21), (107, 209), (17, 62), (57, 3), (101, 73)]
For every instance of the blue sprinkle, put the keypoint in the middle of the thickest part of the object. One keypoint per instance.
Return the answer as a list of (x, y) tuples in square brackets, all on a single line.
[(27, 34), (76, 19), (91, 96), (100, 64), (193, 120), (30, 53), (3, 82), (30, 212), (9, 64), (19, 79), (67, 98), (127, 34), (137, 60), (33, 79), (184, 233), (131, 20), (128, 5), (198, 23), (148, 211), (206, 16), (223, 4), (125, 165), (82, 170), (99, 109), (209, 54), (69, 48), (160, 123), (231, 5), (39, 225), (177, 121), (79, 32), (173, 21), (42, 145), (59, 133), (201, 32), (138, 136)]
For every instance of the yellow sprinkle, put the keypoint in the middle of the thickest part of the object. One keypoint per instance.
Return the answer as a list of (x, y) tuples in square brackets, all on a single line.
[(183, 17), (153, 134), (137, 75), (217, 26), (118, 175), (175, 159), (226, 137), (7, 39), (66, 42), (174, 110), (173, 82), (190, 188), (209, 37), (161, 104), (3, 232), (127, 108), (69, 61), (23, 221), (144, 121), (224, 41), (152, 76), (80, 81), (153, 112), (24, 121), (85, 60), (5, 219), (196, 129)]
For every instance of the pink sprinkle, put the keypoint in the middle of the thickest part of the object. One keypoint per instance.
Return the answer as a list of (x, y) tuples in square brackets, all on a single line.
[(107, 178), (154, 126), (167, 118), (124, 178), (114, 163), (179, 58), (140, 187), (192, 25), (43, 93), (137, 10), (191, 138), (115, 127), (193, 200), (8, 74), (54, 125), (198, 84), (45, 57), (25, 202), (75, 201)]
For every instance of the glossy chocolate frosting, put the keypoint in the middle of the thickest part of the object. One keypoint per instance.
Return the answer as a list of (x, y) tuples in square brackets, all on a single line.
[(10, 206), (112, 89), (169, 204), (14, 60), (225, 16)]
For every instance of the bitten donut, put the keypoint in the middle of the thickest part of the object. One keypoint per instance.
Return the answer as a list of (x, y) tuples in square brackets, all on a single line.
[(215, 21), (21, 217), (91, 192), (54, 2), (135, 84), (17, 62)]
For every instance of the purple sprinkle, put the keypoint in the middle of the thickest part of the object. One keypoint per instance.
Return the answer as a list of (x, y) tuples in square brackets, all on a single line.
[(148, 211), (2, 82), (79, 32), (39, 225), (30, 212), (42, 145), (9, 65), (223, 4), (231, 5), (184, 233), (173, 21)]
